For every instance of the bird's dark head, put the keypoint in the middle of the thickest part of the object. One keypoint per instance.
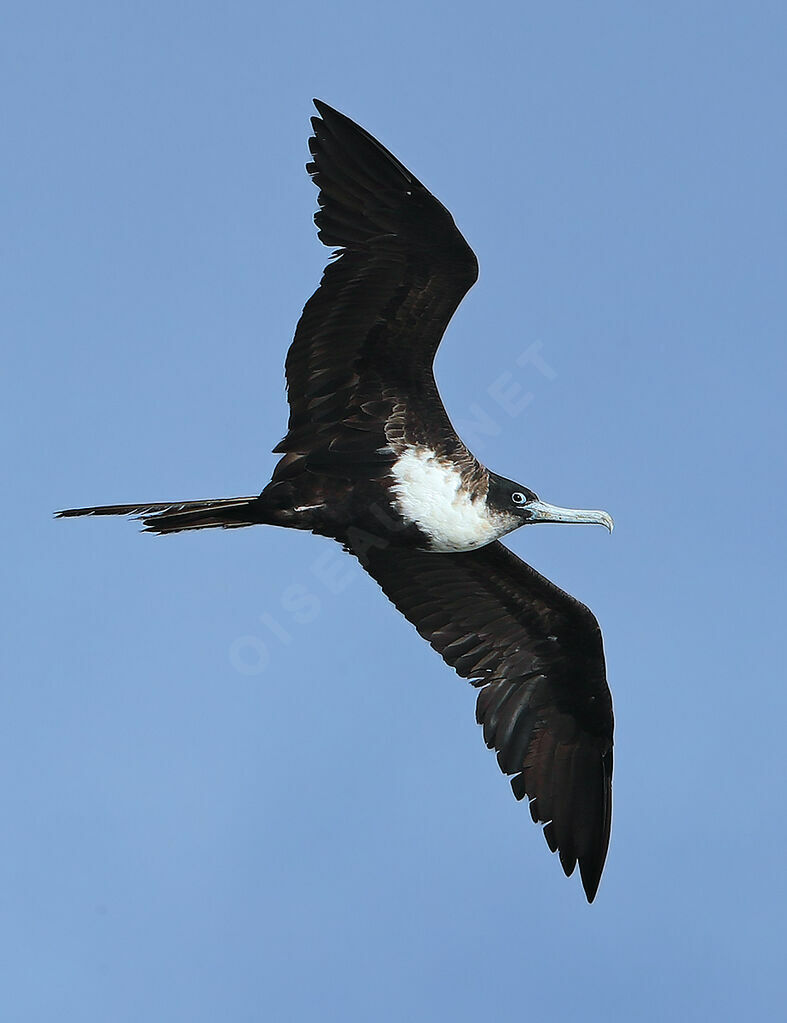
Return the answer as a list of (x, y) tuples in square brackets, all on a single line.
[(512, 498)]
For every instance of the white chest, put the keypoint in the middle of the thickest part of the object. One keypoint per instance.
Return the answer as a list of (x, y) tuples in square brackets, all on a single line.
[(428, 492)]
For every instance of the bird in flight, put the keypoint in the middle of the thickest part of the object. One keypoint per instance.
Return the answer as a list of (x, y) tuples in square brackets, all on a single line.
[(371, 460)]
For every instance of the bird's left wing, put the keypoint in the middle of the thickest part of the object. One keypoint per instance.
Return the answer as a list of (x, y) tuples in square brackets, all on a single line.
[(536, 654)]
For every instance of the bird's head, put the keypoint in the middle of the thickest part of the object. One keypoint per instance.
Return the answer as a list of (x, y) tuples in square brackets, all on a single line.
[(514, 499)]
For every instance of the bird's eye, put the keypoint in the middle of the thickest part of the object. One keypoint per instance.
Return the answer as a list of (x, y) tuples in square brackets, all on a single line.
[(518, 498)]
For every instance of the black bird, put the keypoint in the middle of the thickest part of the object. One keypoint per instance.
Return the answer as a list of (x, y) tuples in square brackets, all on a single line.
[(371, 459)]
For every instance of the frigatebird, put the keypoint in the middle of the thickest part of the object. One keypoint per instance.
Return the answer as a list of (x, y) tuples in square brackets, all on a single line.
[(371, 460)]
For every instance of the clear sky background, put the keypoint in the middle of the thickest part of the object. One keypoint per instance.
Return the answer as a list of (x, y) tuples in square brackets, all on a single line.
[(235, 783)]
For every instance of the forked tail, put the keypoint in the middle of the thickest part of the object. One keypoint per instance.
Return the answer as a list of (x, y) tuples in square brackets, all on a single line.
[(172, 517)]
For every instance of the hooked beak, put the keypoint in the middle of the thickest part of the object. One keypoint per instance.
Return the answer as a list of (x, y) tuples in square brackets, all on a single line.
[(540, 511)]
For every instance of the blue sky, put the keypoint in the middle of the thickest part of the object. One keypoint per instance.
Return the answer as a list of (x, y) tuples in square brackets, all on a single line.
[(236, 785)]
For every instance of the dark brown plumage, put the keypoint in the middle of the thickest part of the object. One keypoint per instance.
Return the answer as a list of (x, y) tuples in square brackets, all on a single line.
[(537, 655), (367, 429), (359, 370)]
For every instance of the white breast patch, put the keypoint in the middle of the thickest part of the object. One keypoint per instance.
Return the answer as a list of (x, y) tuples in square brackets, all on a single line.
[(428, 492)]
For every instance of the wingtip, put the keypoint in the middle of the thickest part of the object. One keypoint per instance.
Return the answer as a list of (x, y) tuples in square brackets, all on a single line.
[(591, 889), (590, 873), (323, 108)]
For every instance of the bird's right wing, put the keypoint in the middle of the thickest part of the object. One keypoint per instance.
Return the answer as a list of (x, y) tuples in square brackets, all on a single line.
[(536, 653), (367, 337)]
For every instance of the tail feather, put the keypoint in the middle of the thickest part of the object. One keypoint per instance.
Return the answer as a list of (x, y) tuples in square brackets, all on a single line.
[(174, 517)]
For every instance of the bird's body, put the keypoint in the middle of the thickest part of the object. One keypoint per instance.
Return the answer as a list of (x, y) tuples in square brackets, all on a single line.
[(371, 460), (449, 508)]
